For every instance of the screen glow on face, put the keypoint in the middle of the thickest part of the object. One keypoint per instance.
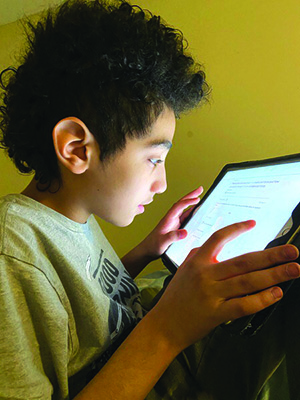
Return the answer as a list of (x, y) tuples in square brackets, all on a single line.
[(267, 194)]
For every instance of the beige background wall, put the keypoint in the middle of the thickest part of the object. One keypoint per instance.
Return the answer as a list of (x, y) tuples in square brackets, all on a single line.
[(250, 51)]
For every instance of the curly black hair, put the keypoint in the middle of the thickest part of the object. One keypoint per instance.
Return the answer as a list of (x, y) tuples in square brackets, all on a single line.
[(114, 66)]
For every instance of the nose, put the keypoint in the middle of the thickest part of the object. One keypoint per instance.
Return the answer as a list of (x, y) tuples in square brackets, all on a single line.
[(160, 183)]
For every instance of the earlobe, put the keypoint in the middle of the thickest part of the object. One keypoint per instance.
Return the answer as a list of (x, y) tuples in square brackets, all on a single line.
[(72, 140)]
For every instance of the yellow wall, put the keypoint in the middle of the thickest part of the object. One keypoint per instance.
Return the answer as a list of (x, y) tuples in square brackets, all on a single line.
[(251, 53), (11, 39)]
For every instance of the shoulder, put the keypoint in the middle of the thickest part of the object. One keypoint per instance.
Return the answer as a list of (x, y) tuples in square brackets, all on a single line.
[(21, 226), (37, 239), (27, 227)]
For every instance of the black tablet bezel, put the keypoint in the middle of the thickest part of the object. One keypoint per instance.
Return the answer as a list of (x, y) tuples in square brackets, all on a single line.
[(251, 325), (229, 167)]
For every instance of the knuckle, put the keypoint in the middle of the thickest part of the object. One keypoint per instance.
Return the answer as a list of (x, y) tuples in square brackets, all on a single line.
[(177, 206), (244, 263), (200, 274), (266, 299), (274, 256), (278, 274), (245, 284), (283, 273), (194, 251), (252, 304), (217, 236), (262, 300)]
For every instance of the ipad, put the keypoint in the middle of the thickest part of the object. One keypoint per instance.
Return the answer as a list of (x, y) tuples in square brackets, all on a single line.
[(267, 191)]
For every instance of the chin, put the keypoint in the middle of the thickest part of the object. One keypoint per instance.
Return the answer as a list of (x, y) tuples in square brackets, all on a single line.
[(127, 223), (120, 219), (121, 222)]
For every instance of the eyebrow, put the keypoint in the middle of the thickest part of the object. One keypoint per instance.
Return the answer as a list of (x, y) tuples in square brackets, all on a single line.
[(157, 143)]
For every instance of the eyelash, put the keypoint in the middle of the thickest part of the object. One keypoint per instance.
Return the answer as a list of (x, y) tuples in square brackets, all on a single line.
[(155, 161)]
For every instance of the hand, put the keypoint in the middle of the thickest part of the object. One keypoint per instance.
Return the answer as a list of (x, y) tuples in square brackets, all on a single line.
[(204, 293), (167, 231)]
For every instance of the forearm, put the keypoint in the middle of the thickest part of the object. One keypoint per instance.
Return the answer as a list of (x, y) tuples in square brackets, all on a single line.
[(136, 366)]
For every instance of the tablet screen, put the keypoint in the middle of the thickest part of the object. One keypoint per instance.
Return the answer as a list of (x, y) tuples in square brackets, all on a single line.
[(266, 193)]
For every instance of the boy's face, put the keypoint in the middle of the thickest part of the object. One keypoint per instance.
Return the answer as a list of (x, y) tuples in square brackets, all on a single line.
[(123, 185)]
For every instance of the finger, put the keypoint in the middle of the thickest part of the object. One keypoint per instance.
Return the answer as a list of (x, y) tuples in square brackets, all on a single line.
[(212, 247), (195, 193), (190, 199), (172, 237), (259, 280), (191, 254), (240, 307), (181, 205), (186, 213), (255, 261)]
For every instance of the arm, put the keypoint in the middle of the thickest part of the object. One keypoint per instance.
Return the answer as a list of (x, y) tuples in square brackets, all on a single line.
[(164, 234), (215, 293)]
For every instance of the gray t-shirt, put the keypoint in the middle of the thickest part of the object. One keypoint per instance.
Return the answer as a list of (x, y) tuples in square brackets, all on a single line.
[(65, 297)]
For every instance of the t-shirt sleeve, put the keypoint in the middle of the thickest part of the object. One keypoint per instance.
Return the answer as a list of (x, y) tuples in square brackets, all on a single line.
[(34, 342)]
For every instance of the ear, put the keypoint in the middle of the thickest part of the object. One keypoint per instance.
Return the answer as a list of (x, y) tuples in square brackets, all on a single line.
[(72, 142)]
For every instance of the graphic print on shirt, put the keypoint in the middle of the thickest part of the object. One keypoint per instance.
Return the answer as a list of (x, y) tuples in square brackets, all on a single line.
[(88, 268), (123, 293)]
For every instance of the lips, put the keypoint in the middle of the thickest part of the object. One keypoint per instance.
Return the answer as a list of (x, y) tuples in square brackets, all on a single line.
[(141, 208)]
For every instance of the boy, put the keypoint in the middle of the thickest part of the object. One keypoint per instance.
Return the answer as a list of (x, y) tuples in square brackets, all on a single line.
[(91, 110)]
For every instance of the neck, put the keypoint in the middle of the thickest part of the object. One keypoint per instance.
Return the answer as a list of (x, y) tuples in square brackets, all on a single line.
[(59, 198)]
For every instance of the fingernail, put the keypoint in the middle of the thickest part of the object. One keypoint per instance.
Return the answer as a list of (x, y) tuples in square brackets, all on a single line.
[(293, 270), (251, 222), (291, 252), (276, 292), (182, 234)]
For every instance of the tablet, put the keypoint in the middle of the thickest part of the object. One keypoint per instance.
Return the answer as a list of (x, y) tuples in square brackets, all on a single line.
[(267, 191)]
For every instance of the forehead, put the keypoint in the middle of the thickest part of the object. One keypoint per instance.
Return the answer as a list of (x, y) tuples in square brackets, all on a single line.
[(159, 138), (161, 133)]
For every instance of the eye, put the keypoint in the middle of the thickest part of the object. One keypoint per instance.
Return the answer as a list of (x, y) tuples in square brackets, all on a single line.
[(155, 161)]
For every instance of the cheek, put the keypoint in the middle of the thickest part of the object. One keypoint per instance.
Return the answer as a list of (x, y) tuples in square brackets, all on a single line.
[(129, 192), (130, 186)]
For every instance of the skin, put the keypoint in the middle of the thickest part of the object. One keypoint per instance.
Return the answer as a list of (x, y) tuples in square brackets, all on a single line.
[(215, 292), (116, 190)]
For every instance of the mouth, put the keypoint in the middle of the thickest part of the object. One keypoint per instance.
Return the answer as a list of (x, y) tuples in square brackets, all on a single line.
[(141, 208)]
